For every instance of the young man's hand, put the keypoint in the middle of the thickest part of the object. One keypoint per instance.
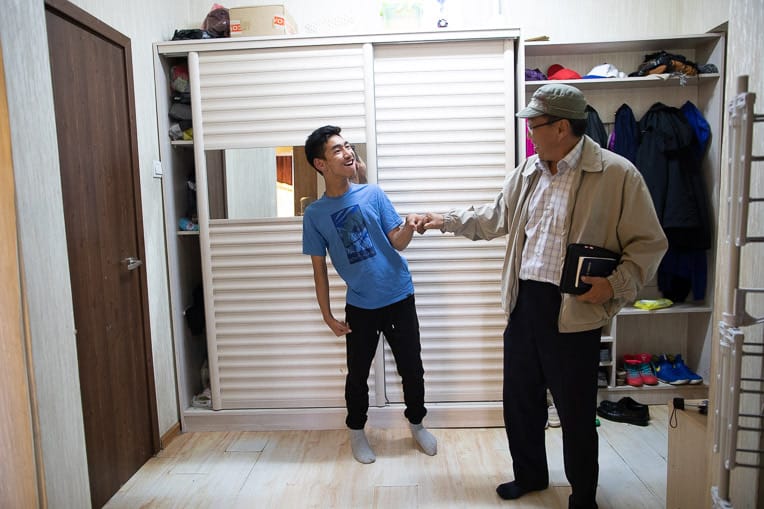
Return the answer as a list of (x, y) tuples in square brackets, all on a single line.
[(414, 222), (339, 328)]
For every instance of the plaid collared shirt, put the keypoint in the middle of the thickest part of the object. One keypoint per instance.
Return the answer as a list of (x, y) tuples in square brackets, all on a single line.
[(545, 229)]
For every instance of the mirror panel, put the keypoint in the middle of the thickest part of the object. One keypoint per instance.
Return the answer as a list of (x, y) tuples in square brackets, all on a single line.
[(250, 183)]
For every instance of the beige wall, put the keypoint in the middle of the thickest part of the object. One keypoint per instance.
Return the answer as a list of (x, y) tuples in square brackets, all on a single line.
[(562, 21), (41, 225)]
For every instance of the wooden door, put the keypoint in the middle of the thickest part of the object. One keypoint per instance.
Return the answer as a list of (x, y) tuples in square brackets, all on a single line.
[(92, 78)]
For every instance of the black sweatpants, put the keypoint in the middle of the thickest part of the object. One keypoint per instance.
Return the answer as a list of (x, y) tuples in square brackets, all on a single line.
[(537, 356), (400, 325)]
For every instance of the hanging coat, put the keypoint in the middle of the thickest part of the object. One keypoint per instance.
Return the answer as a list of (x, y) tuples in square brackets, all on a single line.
[(700, 126), (626, 140), (594, 127), (666, 158)]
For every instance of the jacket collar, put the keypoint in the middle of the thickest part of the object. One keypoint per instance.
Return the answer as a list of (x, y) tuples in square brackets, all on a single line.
[(591, 158)]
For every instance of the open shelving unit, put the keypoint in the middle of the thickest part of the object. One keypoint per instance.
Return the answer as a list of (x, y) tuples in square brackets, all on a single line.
[(684, 328)]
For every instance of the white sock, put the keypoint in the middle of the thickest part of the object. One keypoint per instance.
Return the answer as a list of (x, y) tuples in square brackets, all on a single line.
[(425, 439), (361, 449)]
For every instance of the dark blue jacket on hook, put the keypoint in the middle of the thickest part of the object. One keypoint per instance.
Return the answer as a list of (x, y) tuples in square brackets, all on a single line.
[(626, 140)]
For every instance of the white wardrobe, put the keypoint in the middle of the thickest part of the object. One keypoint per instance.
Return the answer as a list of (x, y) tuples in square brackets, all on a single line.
[(433, 114)]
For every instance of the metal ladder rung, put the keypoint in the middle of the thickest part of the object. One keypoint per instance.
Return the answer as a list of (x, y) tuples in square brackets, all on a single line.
[(749, 465)]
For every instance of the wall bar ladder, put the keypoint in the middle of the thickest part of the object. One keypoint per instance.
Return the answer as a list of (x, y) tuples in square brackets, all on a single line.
[(735, 352)]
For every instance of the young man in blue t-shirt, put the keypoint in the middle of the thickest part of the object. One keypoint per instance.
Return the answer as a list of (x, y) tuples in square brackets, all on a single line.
[(363, 233)]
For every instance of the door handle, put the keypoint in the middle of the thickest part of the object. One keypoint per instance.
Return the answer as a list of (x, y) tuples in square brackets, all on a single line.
[(132, 262)]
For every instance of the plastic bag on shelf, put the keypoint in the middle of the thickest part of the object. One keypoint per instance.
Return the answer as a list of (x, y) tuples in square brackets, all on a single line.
[(217, 23), (651, 304)]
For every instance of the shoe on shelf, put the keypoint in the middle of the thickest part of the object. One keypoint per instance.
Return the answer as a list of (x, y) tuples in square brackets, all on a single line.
[(629, 412), (685, 372), (553, 419), (602, 378), (633, 375), (646, 369), (667, 373)]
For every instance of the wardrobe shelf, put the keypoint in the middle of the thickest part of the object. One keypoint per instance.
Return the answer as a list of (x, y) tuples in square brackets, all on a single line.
[(653, 80), (675, 309), (648, 44), (660, 394)]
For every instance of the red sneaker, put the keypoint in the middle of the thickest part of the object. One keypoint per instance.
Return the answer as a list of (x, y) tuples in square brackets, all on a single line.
[(646, 369), (631, 365)]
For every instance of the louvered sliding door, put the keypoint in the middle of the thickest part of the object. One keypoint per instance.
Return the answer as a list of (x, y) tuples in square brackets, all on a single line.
[(445, 138), (267, 343), (437, 120)]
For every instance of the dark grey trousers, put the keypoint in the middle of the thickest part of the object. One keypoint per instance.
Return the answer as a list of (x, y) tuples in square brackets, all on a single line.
[(536, 357)]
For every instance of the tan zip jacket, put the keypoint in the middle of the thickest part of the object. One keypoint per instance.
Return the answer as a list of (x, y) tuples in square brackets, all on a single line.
[(610, 207)]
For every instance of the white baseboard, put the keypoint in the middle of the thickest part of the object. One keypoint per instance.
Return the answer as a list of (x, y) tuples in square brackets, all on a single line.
[(439, 415)]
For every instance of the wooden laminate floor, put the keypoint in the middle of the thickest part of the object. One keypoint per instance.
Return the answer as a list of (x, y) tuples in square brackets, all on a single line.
[(315, 469)]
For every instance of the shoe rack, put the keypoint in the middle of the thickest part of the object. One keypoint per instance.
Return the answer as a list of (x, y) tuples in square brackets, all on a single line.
[(672, 331)]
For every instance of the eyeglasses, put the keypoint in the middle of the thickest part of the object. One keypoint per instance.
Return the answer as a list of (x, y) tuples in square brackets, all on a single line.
[(531, 128)]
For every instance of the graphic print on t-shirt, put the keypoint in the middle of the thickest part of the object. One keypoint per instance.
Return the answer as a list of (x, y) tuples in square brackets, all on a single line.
[(351, 228)]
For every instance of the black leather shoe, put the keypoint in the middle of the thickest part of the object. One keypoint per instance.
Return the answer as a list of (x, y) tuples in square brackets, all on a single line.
[(632, 405), (620, 412), (571, 505), (511, 490), (629, 404)]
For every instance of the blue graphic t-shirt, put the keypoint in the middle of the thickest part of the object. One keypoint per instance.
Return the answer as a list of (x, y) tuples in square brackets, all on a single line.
[(353, 229)]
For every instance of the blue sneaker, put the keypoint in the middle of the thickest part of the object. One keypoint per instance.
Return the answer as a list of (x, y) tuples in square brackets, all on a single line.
[(667, 373), (683, 371)]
